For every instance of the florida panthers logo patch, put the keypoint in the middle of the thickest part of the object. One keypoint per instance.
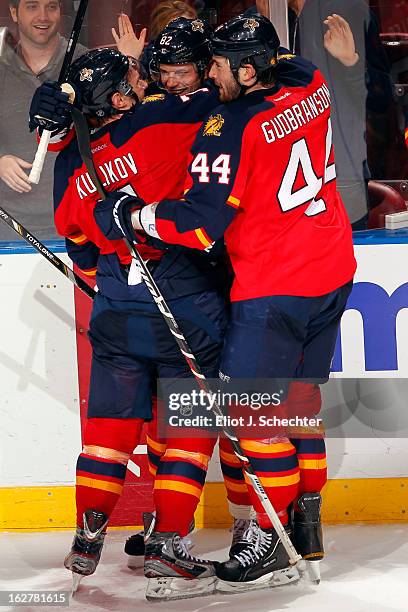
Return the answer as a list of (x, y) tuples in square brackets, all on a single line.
[(153, 98), (213, 126), (251, 24), (197, 26), (86, 75), (286, 56)]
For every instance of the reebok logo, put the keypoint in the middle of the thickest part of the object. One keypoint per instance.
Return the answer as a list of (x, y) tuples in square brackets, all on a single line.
[(99, 148)]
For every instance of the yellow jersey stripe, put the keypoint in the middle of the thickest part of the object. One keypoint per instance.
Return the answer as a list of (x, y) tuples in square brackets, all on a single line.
[(234, 201), (91, 272), (202, 238), (78, 239)]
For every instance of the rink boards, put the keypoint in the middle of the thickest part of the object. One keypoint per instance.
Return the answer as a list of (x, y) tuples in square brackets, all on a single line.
[(44, 359)]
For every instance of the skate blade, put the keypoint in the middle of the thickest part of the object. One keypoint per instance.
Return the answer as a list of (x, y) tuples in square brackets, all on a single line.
[(313, 571), (76, 579), (278, 578), (166, 589)]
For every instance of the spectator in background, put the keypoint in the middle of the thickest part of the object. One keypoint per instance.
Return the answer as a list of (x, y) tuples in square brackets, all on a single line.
[(36, 57), (166, 11), (162, 14), (261, 7), (342, 39)]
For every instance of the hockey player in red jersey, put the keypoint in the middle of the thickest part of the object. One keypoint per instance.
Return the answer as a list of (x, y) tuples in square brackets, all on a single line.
[(262, 174), (145, 151)]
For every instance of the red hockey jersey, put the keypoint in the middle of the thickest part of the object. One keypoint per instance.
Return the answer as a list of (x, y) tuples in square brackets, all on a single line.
[(262, 172), (146, 150)]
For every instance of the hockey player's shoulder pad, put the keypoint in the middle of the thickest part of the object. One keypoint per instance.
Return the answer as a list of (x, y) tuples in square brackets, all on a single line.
[(228, 121), (159, 109), (294, 70)]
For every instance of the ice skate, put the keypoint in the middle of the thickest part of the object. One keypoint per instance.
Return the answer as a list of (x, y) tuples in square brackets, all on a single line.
[(135, 544), (239, 530), (173, 573), (307, 533), (135, 549), (86, 549), (263, 563)]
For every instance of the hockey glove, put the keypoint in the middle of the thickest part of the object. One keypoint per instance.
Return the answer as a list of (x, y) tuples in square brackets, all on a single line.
[(50, 108), (114, 216)]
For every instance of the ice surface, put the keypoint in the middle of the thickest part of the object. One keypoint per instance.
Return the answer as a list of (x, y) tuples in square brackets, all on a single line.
[(366, 569)]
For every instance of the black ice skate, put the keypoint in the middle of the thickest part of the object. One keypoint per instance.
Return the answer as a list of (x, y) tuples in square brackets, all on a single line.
[(239, 530), (173, 573), (307, 533), (87, 546), (135, 545), (263, 563)]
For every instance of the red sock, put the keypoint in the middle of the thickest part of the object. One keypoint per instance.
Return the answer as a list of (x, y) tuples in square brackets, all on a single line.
[(101, 467), (179, 481)]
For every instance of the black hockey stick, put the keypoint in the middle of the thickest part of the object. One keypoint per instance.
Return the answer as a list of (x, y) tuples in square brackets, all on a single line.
[(38, 162), (84, 145), (42, 249), (162, 305)]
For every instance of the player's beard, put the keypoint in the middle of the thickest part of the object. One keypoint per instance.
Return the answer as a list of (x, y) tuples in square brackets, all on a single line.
[(229, 89)]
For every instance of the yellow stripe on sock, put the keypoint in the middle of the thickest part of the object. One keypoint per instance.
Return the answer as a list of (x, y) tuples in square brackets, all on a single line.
[(238, 488), (200, 458), (312, 464), (229, 458), (157, 446), (278, 481), (268, 449), (180, 487), (94, 483)]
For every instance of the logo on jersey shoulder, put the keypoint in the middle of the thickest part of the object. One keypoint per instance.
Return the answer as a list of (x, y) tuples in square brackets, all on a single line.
[(286, 56), (213, 126), (153, 98), (251, 24), (197, 26), (86, 75)]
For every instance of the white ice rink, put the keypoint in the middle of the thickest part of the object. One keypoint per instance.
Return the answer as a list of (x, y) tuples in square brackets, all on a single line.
[(366, 569)]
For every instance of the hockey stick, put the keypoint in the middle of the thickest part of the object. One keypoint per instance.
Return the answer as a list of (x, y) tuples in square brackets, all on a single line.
[(39, 159), (162, 305), (49, 256), (84, 145)]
